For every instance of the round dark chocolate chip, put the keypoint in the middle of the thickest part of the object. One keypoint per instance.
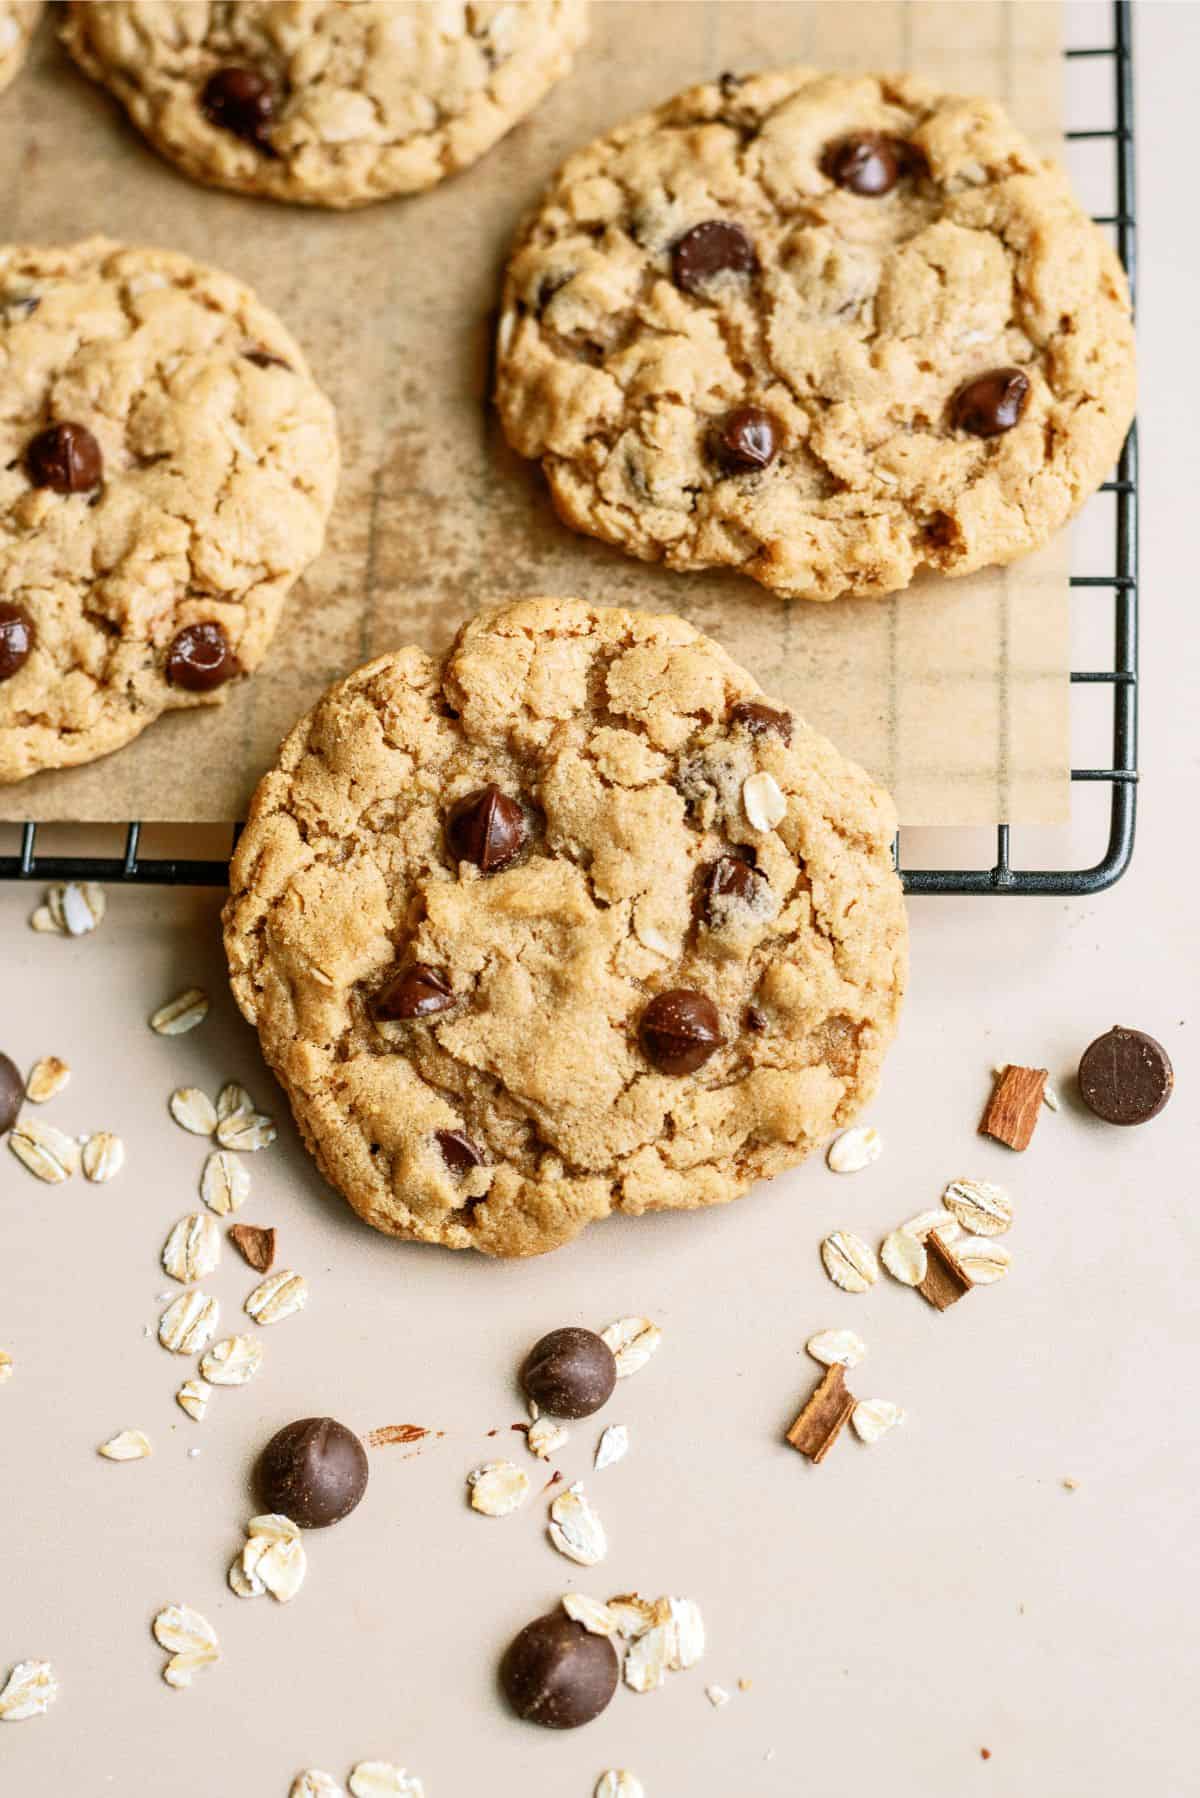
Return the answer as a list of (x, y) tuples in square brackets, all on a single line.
[(717, 247), (12, 1093), (728, 878), (65, 457), (991, 404), (16, 639), (746, 440), (200, 658), (313, 1471), (487, 828), (680, 1029), (761, 720), (867, 163), (1125, 1077), (458, 1151), (240, 101), (569, 1373), (416, 993), (557, 1673)]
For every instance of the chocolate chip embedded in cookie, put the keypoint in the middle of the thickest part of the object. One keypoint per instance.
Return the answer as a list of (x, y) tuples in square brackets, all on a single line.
[(65, 457), (200, 658), (16, 639), (830, 333), (240, 101), (618, 990)]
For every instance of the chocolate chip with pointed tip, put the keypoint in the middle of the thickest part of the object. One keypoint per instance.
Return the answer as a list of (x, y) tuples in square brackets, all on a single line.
[(557, 1673), (313, 1471), (66, 458), (458, 1151), (761, 720), (488, 828), (570, 1372), (680, 1029), (729, 877), (991, 404), (715, 247), (418, 992)]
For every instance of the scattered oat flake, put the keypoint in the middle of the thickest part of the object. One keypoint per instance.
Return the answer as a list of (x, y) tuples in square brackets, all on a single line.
[(103, 1157), (382, 1779), (619, 1783), (1051, 1098), (979, 1206), (497, 1489), (982, 1260), (247, 1131), (232, 1099), (312, 1783), (29, 1691), (632, 1340), (849, 1261), (6, 1366), (854, 1149), (189, 1639), (872, 1418), (192, 1397), (273, 1559), (47, 1152), (233, 1361), (79, 906), (613, 1446), (182, 1013), (932, 1223), (278, 1296), (193, 1110), (225, 1183), (42, 920), (47, 1077), (1071, 1485), (634, 1615), (717, 1696), (192, 1249), (841, 1346), (188, 1322), (545, 1438), (598, 1619), (685, 1627), (904, 1257), (575, 1529), (763, 801), (647, 1660), (255, 1246), (130, 1445)]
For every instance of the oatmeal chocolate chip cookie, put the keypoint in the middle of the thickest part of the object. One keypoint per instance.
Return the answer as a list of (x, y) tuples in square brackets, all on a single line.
[(167, 465), (825, 330), (574, 922), (324, 102), (17, 21)]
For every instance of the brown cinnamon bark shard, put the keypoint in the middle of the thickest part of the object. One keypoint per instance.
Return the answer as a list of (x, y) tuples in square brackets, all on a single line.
[(820, 1423), (1015, 1106), (945, 1282), (254, 1245)]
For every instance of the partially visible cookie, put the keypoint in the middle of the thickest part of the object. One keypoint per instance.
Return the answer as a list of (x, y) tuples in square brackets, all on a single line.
[(574, 922), (17, 21), (826, 330), (325, 102), (167, 465)]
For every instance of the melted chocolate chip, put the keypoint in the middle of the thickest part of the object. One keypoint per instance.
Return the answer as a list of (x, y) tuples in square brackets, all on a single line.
[(746, 440), (1125, 1077), (239, 101), (761, 720), (487, 828), (569, 1373), (717, 247), (12, 1093), (756, 1020), (557, 1673), (200, 658), (16, 639), (680, 1029), (991, 404), (65, 457), (867, 163), (416, 993), (313, 1471), (458, 1151), (728, 878)]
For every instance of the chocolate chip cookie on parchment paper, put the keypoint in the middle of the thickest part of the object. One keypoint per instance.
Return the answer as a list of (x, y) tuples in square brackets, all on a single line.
[(325, 102), (827, 330), (574, 922), (18, 19), (167, 466)]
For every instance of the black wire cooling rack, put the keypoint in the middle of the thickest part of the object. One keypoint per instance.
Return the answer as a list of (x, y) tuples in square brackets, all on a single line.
[(1121, 585)]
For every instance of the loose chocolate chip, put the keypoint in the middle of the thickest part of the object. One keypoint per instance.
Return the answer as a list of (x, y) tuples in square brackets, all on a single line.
[(16, 639), (240, 101), (200, 658), (416, 993), (680, 1029), (313, 1471), (991, 404), (458, 1151), (264, 359), (716, 247), (569, 1373), (761, 720), (487, 828), (865, 162), (728, 878), (65, 457), (12, 1092), (1125, 1077), (557, 1673), (746, 440)]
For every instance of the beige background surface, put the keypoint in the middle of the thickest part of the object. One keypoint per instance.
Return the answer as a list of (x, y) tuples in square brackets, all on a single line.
[(955, 697), (897, 1609)]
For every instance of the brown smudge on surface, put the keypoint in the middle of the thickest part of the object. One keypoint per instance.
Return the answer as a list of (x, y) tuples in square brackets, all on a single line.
[(398, 1432)]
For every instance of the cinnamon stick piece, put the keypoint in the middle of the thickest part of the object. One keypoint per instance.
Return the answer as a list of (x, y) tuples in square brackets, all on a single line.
[(821, 1422), (254, 1245), (1015, 1106), (945, 1282)]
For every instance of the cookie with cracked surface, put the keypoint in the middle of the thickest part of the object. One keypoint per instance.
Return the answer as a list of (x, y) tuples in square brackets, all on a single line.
[(570, 923), (321, 102), (825, 330), (18, 19), (167, 465)]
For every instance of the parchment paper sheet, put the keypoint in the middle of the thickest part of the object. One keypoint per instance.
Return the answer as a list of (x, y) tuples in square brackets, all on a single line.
[(955, 695)]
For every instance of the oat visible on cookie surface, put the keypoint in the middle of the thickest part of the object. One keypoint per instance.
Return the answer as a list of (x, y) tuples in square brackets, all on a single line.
[(17, 21), (167, 465), (519, 956), (826, 330), (325, 102)]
